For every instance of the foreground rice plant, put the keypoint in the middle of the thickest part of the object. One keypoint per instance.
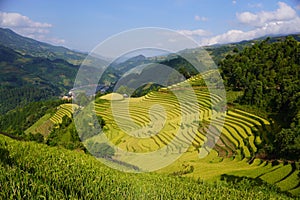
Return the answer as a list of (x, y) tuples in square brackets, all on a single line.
[(35, 171)]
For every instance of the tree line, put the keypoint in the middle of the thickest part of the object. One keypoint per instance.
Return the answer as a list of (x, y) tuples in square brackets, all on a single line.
[(268, 73)]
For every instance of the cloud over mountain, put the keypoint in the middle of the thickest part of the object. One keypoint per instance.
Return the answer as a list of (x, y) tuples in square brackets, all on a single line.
[(283, 13), (27, 27), (284, 20)]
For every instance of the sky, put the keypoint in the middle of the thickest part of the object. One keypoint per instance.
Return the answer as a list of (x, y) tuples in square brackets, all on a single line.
[(81, 25)]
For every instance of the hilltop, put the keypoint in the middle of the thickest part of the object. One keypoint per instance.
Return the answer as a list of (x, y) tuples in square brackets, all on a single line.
[(34, 48)]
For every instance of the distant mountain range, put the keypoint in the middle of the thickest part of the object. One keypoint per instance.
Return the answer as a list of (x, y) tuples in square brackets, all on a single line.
[(25, 78), (28, 46), (31, 70)]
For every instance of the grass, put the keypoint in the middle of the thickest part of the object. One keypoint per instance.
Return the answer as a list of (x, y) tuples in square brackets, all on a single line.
[(34, 128), (232, 96), (35, 171)]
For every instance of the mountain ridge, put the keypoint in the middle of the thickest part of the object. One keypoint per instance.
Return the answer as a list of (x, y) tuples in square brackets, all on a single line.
[(35, 48)]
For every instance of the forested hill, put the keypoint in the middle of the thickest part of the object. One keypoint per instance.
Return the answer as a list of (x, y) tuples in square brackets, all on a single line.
[(28, 46), (34, 71), (27, 79), (268, 73)]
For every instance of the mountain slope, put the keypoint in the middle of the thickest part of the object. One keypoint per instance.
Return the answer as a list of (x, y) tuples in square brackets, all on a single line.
[(28, 46), (33, 71), (268, 74), (219, 52), (26, 79)]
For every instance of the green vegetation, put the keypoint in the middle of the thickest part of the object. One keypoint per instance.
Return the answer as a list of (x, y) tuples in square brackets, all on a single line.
[(255, 157), (18, 120), (65, 135), (53, 124), (57, 128), (145, 89), (26, 79), (243, 134), (35, 171), (268, 74), (33, 71), (182, 66), (28, 46), (130, 63), (11, 98)]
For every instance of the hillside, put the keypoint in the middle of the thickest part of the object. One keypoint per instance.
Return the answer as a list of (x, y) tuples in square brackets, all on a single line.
[(268, 75), (34, 171), (259, 128), (230, 160), (28, 46), (34, 71), (234, 155), (27, 79), (219, 52), (128, 64)]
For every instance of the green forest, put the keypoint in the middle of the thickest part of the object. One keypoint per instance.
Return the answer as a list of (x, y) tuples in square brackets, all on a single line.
[(268, 73)]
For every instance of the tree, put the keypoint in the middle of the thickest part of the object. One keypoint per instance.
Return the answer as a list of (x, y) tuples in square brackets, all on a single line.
[(268, 73), (288, 143), (38, 137)]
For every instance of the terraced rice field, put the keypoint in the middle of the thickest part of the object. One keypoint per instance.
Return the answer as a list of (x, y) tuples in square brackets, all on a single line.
[(152, 122), (43, 126), (63, 110), (46, 123)]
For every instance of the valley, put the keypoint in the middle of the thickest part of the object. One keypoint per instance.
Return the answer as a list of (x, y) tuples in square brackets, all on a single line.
[(182, 139)]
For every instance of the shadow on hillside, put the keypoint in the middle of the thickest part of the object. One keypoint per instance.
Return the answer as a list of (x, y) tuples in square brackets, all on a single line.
[(242, 182), (242, 179), (5, 159)]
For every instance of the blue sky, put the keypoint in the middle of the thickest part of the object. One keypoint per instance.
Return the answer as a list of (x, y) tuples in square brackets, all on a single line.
[(82, 24)]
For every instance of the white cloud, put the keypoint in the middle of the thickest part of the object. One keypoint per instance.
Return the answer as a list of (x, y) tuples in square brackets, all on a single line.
[(17, 20), (282, 21), (198, 32), (234, 2), (25, 26), (273, 28), (283, 13), (255, 5), (198, 18)]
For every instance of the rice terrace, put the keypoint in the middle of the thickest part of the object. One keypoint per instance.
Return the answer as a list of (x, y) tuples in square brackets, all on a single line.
[(150, 99), (235, 149)]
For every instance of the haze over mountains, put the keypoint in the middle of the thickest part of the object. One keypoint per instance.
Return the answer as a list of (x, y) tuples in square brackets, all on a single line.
[(33, 70), (28, 46)]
